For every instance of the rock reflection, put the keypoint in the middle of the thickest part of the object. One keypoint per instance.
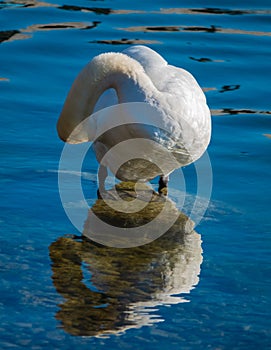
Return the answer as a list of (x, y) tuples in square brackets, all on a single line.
[(5, 35), (212, 11), (59, 26), (220, 11), (162, 29), (226, 88), (26, 3), (204, 59), (109, 290), (211, 29), (125, 41), (96, 10), (152, 29), (234, 111), (24, 33)]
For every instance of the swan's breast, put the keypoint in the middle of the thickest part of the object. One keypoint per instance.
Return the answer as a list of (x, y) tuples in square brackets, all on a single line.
[(139, 152)]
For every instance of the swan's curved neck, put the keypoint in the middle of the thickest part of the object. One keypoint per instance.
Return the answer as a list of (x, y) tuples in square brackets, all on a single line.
[(110, 70)]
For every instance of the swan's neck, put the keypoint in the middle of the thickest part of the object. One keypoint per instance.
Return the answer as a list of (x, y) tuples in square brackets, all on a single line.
[(111, 70)]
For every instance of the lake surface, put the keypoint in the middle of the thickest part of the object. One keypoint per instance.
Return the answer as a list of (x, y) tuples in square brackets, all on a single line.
[(53, 288)]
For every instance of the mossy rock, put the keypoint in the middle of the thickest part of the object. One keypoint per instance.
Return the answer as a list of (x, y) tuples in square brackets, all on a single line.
[(137, 216)]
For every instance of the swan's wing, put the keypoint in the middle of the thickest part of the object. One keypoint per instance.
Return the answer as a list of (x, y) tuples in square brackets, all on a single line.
[(187, 101), (181, 101), (166, 78)]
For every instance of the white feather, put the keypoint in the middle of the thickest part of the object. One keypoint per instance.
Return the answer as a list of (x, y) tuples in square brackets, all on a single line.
[(155, 101)]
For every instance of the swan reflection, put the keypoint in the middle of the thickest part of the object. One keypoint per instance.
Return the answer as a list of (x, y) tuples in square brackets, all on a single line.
[(109, 290)]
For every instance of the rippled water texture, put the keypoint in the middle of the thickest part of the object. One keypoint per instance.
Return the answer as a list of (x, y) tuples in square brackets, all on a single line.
[(206, 290)]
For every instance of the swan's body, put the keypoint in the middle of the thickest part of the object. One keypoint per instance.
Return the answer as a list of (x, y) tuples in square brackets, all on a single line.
[(178, 119)]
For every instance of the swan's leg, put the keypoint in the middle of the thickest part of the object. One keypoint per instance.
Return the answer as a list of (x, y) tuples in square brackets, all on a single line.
[(102, 193), (102, 175), (163, 182)]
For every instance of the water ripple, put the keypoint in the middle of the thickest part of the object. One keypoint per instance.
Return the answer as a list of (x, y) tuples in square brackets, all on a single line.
[(214, 11), (11, 35), (234, 111), (211, 29), (125, 41), (106, 10), (97, 10)]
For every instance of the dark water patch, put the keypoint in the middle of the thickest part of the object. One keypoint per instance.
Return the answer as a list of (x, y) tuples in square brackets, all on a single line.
[(125, 41), (25, 4), (3, 5), (202, 59), (211, 29), (7, 34), (223, 11), (226, 88), (96, 10), (234, 111), (163, 29), (8, 4), (244, 32), (220, 11), (152, 29), (213, 11), (128, 12), (56, 26), (10, 35)]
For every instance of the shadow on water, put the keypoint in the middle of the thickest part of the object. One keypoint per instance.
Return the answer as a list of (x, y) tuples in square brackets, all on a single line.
[(109, 290)]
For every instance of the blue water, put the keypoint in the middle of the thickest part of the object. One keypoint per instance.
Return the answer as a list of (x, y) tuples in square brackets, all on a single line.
[(227, 47)]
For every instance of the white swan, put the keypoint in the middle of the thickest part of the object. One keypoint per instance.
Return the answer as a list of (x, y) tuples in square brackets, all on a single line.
[(152, 101)]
